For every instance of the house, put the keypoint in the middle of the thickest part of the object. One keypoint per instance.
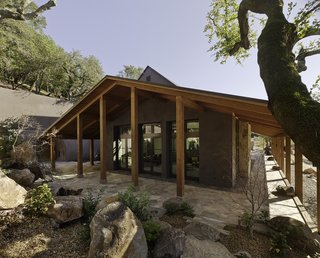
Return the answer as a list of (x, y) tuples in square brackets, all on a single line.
[(152, 126)]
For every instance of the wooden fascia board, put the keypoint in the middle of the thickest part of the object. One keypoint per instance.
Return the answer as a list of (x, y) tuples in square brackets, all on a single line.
[(265, 130)]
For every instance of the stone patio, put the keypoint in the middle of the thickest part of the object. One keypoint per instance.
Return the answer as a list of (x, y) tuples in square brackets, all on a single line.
[(219, 205)]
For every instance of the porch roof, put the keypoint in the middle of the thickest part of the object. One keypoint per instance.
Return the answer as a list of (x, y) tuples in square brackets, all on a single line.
[(116, 90)]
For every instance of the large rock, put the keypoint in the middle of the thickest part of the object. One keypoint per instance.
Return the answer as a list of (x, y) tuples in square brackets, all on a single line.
[(202, 231), (11, 194), (298, 234), (116, 232), (106, 201), (170, 243), (195, 248), (36, 169), (21, 176), (66, 208)]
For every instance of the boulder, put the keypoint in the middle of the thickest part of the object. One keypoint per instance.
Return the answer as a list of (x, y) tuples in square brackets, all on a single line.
[(11, 194), (202, 231), (298, 234), (35, 169), (284, 190), (66, 208), (55, 187), (106, 200), (170, 243), (21, 176), (195, 248), (310, 171), (116, 232)]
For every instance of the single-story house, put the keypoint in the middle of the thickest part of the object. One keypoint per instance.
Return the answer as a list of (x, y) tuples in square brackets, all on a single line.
[(152, 126)]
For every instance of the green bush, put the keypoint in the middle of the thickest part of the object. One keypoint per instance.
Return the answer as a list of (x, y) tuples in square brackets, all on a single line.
[(83, 233), (279, 245), (152, 230), (138, 203), (89, 206), (184, 209), (39, 199)]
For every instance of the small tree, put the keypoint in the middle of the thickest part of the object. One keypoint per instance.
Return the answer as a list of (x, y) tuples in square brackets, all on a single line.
[(256, 192), (19, 139)]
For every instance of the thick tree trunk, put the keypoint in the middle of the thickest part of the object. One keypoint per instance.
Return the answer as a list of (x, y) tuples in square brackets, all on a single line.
[(289, 99)]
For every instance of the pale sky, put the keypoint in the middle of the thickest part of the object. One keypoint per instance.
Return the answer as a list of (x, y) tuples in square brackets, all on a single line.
[(166, 35)]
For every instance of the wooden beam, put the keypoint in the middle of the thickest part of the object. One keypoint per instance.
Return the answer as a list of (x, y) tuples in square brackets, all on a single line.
[(180, 141), (244, 149), (103, 139), (91, 152), (298, 172), (53, 153), (79, 144), (318, 198), (193, 104), (134, 137), (288, 159), (281, 153)]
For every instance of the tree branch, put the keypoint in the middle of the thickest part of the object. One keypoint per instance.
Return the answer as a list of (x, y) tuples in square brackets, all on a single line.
[(19, 14), (301, 58)]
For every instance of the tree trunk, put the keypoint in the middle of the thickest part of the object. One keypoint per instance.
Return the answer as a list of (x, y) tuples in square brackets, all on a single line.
[(289, 99)]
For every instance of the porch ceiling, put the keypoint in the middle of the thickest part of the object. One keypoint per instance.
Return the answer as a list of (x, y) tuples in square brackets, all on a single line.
[(117, 93)]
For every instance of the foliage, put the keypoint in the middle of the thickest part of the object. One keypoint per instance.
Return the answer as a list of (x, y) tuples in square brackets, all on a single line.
[(279, 245), (130, 72), (39, 199), (31, 60), (152, 230), (138, 203), (18, 136), (184, 209), (89, 206), (83, 233)]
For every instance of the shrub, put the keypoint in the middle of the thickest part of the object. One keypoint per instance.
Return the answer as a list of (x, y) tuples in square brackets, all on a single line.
[(184, 209), (89, 206), (138, 203), (152, 230), (83, 233), (279, 245), (39, 199)]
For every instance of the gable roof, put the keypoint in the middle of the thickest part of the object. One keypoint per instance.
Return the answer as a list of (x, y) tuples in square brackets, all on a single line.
[(151, 75), (117, 93)]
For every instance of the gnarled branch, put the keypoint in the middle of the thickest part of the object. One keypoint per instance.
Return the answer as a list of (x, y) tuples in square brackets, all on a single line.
[(20, 14), (301, 58)]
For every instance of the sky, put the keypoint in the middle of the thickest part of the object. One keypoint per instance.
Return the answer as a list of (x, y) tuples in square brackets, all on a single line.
[(166, 35)]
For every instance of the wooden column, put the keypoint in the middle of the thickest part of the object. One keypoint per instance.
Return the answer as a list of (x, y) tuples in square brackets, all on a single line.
[(79, 144), (244, 149), (180, 141), (298, 172), (281, 153), (53, 153), (134, 137), (91, 152), (288, 159), (318, 198), (103, 140)]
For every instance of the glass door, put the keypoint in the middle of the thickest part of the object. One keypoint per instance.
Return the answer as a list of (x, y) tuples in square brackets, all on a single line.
[(151, 148)]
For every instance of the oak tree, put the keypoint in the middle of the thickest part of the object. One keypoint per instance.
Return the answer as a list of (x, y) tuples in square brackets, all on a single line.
[(231, 32)]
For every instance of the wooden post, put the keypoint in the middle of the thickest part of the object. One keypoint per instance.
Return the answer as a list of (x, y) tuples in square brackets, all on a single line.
[(134, 137), (91, 152), (244, 149), (79, 143), (180, 141), (281, 153), (288, 159), (103, 140), (298, 172), (318, 198), (53, 153)]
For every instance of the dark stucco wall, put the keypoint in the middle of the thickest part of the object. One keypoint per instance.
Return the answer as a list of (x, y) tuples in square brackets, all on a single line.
[(216, 136)]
